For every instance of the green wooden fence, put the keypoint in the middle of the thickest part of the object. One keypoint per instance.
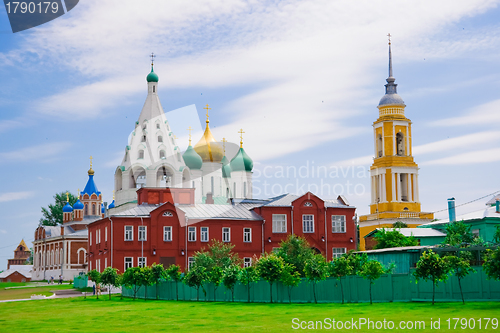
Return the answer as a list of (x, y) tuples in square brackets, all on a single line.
[(389, 288)]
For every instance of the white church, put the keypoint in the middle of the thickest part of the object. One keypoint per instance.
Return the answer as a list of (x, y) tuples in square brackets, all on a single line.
[(153, 159)]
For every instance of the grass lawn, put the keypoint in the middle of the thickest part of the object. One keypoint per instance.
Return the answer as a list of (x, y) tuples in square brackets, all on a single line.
[(91, 315), (21, 293)]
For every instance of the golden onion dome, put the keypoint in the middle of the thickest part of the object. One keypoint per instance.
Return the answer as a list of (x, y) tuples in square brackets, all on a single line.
[(208, 148)]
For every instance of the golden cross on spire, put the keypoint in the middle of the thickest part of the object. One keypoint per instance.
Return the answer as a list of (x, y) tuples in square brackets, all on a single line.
[(207, 108), (152, 58), (113, 194), (241, 137), (91, 158), (224, 144), (78, 194), (389, 35), (175, 137), (67, 196), (189, 129)]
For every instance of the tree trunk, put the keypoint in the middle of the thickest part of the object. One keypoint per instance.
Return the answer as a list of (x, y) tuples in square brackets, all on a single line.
[(109, 292), (461, 292), (177, 289), (215, 290), (371, 292), (198, 294), (342, 290), (314, 292), (232, 294), (156, 290), (145, 292), (271, 288), (290, 295), (433, 290), (248, 289)]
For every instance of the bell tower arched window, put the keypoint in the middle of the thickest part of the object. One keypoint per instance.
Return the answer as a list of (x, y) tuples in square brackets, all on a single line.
[(400, 144), (379, 145)]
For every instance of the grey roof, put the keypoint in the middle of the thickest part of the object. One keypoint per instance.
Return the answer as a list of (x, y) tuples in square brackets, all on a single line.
[(391, 99), (238, 212), (493, 200), (22, 267), (141, 210), (415, 232), (399, 249), (476, 215), (25, 273), (284, 200)]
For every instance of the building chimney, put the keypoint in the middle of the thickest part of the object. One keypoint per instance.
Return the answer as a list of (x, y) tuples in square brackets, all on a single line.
[(451, 209), (497, 203), (210, 199)]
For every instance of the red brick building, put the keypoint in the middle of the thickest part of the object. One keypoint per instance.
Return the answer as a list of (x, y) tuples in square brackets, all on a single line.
[(21, 255), (168, 228)]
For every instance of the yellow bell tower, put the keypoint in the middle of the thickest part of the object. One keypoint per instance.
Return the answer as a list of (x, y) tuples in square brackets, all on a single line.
[(394, 173)]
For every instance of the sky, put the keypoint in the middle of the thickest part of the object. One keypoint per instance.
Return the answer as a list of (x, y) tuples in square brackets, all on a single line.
[(301, 78)]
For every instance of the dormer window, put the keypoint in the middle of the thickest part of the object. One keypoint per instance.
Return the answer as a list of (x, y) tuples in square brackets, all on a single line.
[(308, 204), (160, 138), (141, 154)]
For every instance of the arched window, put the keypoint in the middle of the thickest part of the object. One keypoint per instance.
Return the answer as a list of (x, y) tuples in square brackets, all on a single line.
[(379, 145), (178, 157), (162, 154), (154, 88), (143, 138), (227, 192), (86, 209), (141, 154), (158, 126), (400, 144), (93, 209), (160, 138)]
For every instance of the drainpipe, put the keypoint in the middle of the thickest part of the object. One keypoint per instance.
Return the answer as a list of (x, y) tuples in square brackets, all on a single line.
[(497, 203), (292, 220), (61, 260), (451, 209), (142, 241), (186, 244), (326, 239), (263, 222), (111, 238)]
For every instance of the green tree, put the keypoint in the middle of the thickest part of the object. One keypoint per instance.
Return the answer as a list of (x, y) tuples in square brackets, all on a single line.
[(230, 277), (372, 270), (296, 251), (431, 267), (387, 239), (195, 278), (290, 278), (458, 234), (269, 268), (248, 276), (53, 214), (399, 225), (95, 276), (222, 254), (460, 268), (174, 273), (356, 261), (133, 278), (496, 236), (158, 275), (339, 268), (109, 278), (119, 283), (147, 279), (316, 270), (492, 264)]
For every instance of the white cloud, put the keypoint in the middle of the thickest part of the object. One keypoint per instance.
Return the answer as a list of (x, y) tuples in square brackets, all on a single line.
[(38, 152), (473, 157), (13, 196), (3, 231), (461, 142), (485, 114)]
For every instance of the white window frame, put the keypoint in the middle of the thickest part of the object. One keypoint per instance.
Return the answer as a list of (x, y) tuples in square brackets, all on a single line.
[(105, 234), (190, 262), (99, 235), (247, 262), (105, 263), (281, 228), (131, 263), (143, 232), (90, 238), (142, 261), (129, 234), (247, 235), (191, 234), (308, 223), (204, 234), (337, 252), (167, 231), (338, 225), (226, 234)]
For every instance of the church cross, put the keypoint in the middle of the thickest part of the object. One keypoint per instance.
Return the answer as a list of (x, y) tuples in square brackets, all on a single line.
[(91, 158), (189, 129), (67, 196), (389, 35), (207, 108), (224, 144), (152, 58), (241, 137)]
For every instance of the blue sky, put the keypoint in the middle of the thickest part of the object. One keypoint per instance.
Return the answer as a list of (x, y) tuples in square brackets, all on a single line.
[(302, 78)]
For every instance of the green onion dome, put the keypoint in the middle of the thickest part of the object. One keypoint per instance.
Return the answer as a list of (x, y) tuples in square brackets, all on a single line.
[(152, 77), (192, 159), (241, 162), (226, 167)]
